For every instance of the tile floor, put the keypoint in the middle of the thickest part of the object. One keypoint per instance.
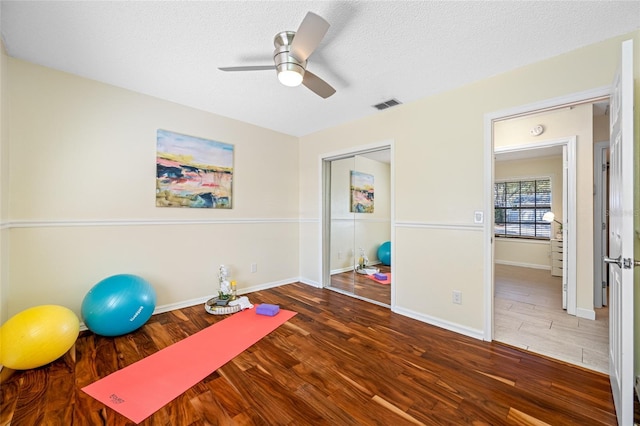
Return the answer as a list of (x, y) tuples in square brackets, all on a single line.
[(528, 314)]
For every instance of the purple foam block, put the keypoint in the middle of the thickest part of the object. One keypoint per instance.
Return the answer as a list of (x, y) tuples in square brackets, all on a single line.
[(267, 309), (380, 277)]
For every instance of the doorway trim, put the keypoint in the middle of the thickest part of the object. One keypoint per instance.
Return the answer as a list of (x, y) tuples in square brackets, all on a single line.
[(600, 224), (569, 213), (325, 206), (545, 105)]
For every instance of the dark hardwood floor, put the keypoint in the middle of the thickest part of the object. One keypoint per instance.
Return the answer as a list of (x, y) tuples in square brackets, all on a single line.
[(340, 361), (362, 286)]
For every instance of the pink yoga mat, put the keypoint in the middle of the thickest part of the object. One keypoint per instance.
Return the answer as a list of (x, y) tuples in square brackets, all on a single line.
[(140, 389), (387, 281)]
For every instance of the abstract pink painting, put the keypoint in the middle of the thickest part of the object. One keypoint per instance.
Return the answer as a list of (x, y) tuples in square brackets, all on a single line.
[(361, 192), (193, 172)]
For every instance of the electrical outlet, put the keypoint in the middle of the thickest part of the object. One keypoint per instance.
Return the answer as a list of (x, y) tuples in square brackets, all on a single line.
[(254, 268), (456, 297)]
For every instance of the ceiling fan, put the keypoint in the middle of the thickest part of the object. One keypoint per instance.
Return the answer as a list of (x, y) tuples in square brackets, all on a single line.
[(290, 56)]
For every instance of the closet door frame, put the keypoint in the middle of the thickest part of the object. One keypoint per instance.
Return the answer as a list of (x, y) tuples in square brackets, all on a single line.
[(325, 205)]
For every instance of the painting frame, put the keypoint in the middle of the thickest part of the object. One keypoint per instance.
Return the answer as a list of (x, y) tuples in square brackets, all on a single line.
[(362, 192), (193, 172)]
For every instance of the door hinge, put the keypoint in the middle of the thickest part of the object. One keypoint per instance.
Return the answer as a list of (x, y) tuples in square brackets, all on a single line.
[(604, 226), (604, 284)]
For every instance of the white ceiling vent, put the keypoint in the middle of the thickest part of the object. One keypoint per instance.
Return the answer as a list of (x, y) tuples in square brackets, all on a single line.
[(387, 104)]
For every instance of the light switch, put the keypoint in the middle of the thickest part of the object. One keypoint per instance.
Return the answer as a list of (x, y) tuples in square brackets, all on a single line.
[(478, 217)]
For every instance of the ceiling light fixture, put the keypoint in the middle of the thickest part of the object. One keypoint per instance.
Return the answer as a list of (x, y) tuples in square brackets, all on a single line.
[(290, 70), (290, 74), (292, 49)]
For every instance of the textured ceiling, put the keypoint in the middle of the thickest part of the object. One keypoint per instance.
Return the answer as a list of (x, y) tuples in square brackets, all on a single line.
[(372, 52)]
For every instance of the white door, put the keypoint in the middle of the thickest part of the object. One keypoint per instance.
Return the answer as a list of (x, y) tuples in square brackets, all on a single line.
[(565, 228), (621, 236)]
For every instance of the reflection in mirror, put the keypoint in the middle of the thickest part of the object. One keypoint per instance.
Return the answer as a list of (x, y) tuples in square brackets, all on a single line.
[(360, 225), (342, 255)]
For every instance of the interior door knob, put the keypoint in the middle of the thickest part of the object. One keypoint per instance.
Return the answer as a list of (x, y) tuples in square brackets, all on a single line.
[(617, 260), (627, 263)]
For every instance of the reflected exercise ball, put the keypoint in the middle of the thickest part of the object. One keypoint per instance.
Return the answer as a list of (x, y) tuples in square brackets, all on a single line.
[(37, 336), (384, 253), (118, 305)]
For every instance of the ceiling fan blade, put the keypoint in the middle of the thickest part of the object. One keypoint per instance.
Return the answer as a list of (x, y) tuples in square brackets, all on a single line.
[(317, 85), (308, 37), (249, 68)]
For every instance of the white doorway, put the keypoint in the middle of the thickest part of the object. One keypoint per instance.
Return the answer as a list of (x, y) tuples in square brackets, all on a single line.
[(552, 163), (567, 148), (532, 302), (569, 219)]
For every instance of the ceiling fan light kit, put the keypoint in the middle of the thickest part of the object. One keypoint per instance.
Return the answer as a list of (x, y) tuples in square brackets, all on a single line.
[(290, 70), (290, 77), (292, 49)]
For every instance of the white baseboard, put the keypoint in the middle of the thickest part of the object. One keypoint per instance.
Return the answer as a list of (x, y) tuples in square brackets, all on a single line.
[(202, 300), (586, 313), (456, 328), (312, 283), (522, 264), (351, 268), (267, 286), (341, 270)]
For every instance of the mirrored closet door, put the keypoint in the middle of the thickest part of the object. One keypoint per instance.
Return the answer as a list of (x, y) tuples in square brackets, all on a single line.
[(342, 228), (360, 225)]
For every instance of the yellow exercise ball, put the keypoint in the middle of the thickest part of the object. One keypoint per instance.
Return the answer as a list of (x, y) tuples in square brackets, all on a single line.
[(37, 336)]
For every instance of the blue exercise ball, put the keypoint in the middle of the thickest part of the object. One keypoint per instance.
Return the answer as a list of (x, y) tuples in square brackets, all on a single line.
[(118, 305), (384, 253)]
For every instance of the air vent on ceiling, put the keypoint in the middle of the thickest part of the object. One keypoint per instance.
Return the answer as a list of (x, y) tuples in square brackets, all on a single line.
[(387, 104)]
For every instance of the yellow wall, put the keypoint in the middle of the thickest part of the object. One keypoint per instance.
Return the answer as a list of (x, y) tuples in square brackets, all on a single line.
[(4, 189), (439, 171), (530, 253), (82, 196)]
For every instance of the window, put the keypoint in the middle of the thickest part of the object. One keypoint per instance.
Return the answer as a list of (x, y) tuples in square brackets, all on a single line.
[(519, 207)]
